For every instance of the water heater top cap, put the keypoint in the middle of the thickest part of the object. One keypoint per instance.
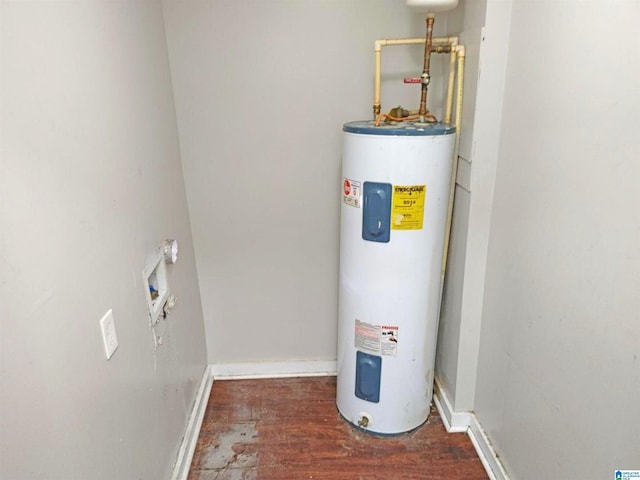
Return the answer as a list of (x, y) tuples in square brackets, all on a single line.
[(432, 6), (405, 129)]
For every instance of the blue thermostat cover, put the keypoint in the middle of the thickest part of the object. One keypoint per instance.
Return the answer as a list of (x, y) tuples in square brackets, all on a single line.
[(406, 129), (376, 212), (368, 372)]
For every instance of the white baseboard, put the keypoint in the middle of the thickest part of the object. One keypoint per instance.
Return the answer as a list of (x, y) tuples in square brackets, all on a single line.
[(235, 371), (454, 422), (190, 438), (487, 454), (458, 422)]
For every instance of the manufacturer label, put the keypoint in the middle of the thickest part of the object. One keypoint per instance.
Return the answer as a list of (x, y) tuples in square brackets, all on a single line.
[(627, 474), (376, 339), (408, 207), (351, 190)]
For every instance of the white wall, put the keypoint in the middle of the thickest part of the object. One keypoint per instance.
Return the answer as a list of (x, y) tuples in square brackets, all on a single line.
[(91, 183), (559, 367), (262, 90), (459, 332)]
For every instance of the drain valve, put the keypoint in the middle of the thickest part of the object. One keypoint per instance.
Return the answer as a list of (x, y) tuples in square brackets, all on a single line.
[(364, 421)]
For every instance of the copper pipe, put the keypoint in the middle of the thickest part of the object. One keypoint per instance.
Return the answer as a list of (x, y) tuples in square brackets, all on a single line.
[(386, 116), (395, 119), (422, 111)]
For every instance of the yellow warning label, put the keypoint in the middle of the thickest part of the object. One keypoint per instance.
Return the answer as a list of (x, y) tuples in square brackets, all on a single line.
[(408, 207)]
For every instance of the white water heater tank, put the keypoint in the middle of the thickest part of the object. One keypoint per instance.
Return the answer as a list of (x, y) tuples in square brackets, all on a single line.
[(393, 214)]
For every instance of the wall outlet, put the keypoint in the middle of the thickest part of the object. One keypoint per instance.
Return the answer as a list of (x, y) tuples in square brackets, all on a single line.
[(109, 337)]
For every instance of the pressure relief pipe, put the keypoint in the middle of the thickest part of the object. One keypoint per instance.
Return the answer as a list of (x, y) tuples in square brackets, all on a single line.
[(460, 56), (452, 76)]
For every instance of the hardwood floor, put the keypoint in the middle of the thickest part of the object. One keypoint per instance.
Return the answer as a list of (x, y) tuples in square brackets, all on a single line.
[(290, 428)]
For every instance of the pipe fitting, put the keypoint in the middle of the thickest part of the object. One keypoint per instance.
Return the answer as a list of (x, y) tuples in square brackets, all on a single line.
[(441, 48)]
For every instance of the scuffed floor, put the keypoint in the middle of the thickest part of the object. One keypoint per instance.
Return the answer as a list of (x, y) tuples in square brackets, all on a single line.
[(289, 428)]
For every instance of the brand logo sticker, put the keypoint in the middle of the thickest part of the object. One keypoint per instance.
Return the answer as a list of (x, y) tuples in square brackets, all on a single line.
[(627, 475)]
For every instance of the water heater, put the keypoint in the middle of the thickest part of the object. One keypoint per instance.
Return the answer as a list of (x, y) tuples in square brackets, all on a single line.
[(395, 192)]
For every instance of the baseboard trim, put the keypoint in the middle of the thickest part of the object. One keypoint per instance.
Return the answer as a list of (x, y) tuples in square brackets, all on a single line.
[(487, 454), (249, 370), (454, 422), (190, 438), (459, 422)]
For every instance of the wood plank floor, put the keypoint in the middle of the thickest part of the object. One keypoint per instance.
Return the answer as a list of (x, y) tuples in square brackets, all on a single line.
[(290, 429)]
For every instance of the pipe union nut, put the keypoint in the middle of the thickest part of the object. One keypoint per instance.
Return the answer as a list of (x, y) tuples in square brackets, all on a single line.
[(425, 78)]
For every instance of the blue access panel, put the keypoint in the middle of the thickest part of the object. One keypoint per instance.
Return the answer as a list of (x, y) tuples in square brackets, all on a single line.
[(368, 370), (376, 212)]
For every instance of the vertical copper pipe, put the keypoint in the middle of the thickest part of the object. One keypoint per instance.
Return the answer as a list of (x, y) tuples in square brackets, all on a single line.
[(425, 70)]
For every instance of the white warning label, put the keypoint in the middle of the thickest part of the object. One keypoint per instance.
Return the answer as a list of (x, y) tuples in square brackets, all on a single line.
[(376, 339), (388, 340), (351, 192)]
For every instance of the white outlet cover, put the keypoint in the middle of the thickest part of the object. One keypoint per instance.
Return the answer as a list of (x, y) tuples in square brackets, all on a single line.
[(109, 337)]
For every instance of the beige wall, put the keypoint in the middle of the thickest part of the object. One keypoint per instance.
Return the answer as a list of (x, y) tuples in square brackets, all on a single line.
[(262, 90), (559, 366), (91, 183)]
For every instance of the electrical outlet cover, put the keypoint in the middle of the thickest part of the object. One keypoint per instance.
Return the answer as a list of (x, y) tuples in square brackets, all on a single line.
[(109, 337)]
